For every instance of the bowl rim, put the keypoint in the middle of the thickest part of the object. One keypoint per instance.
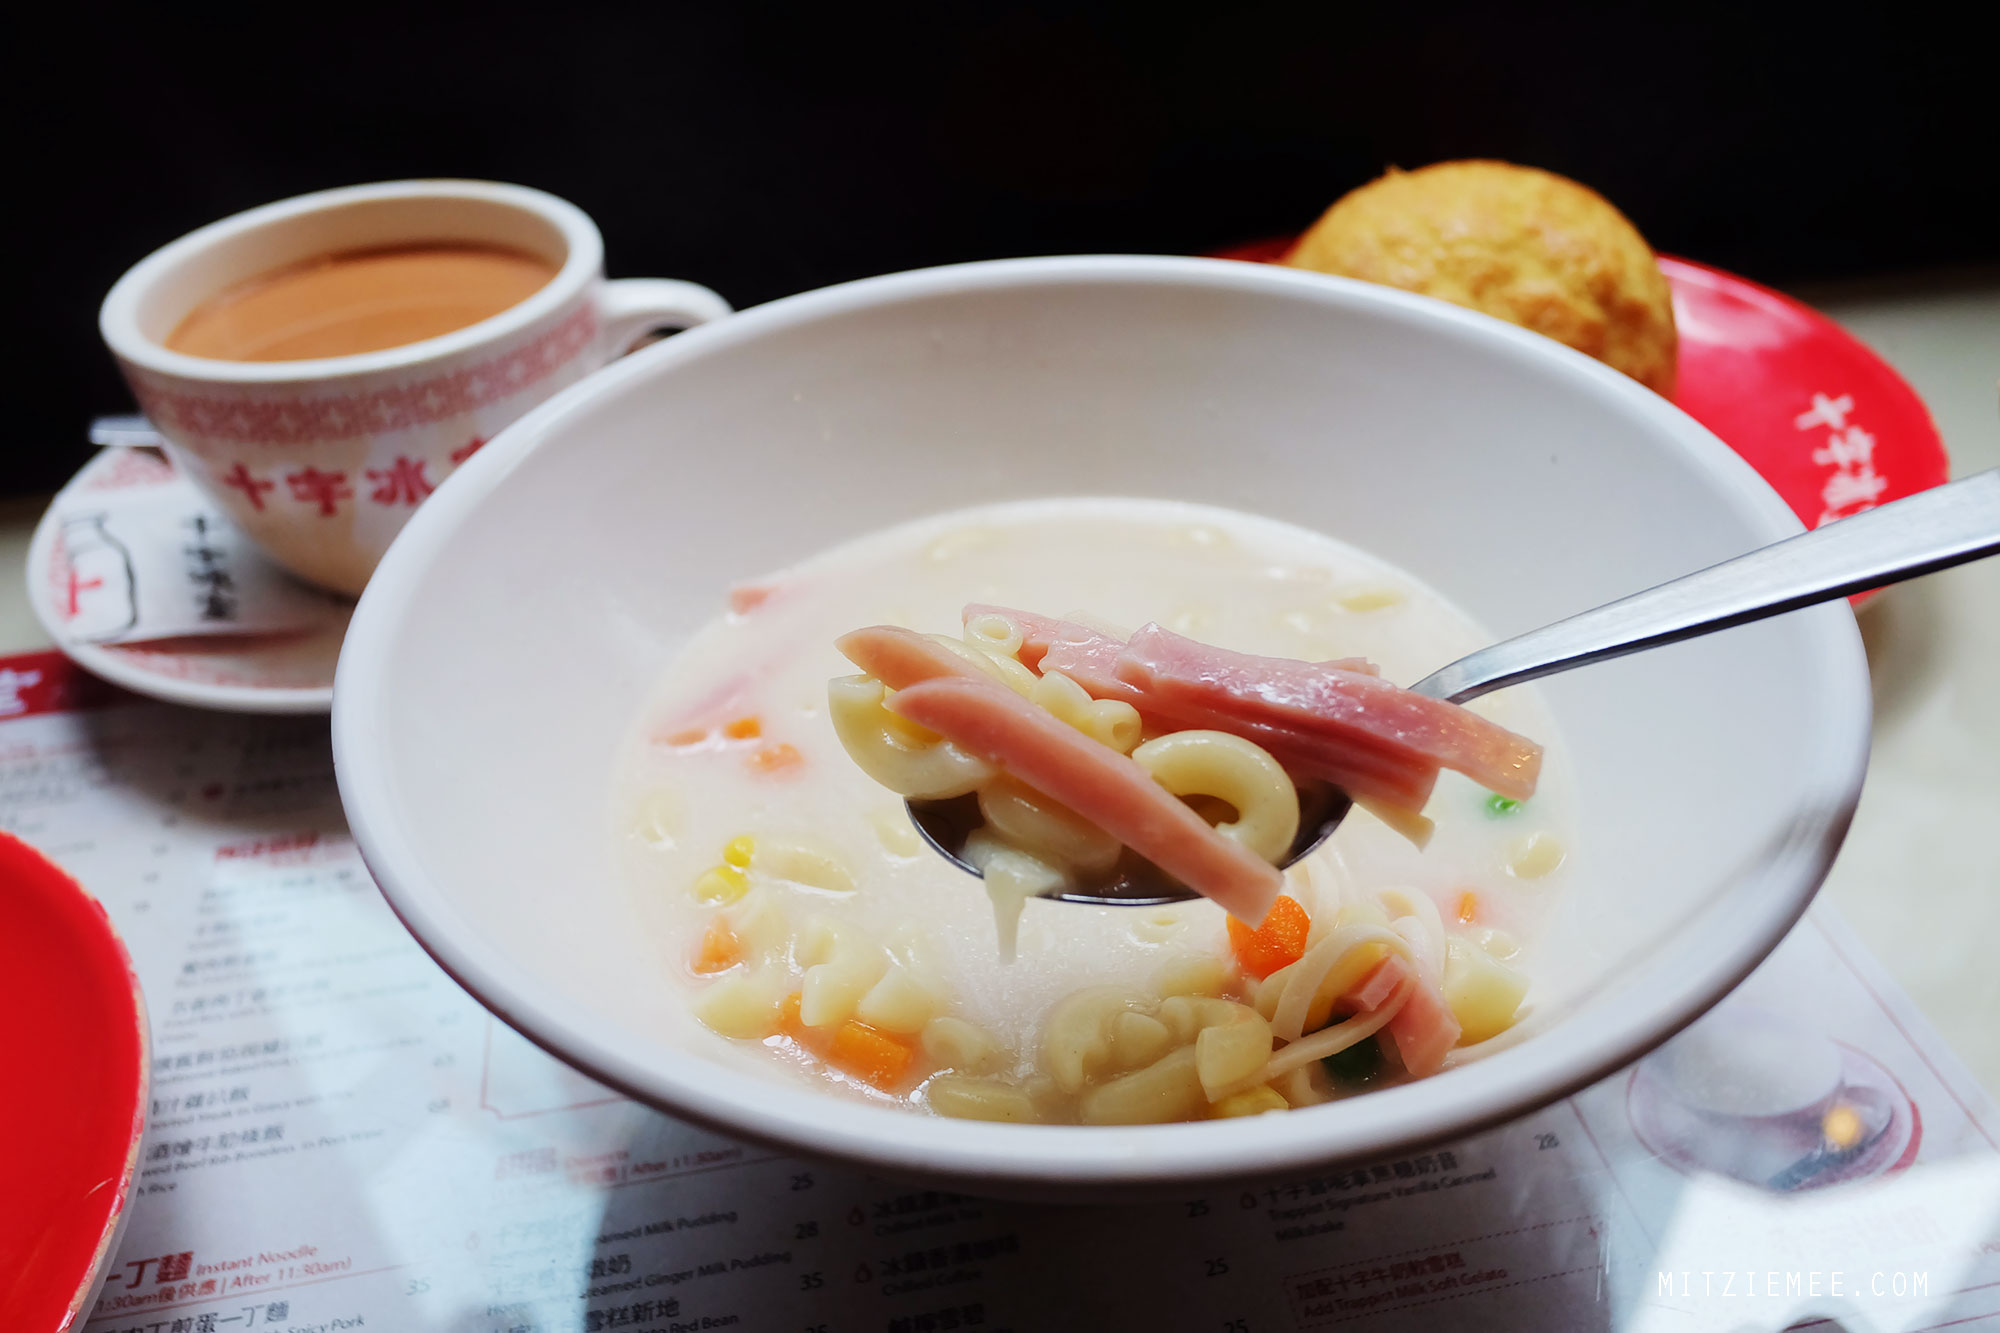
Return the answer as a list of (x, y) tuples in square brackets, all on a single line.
[(1767, 899)]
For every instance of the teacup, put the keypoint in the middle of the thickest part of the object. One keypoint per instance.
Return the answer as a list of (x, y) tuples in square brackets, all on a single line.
[(322, 461)]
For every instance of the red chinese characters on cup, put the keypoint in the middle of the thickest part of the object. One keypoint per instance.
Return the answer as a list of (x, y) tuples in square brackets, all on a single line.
[(402, 481)]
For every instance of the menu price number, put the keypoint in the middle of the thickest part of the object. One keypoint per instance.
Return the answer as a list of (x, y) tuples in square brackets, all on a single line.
[(805, 1230), (801, 1180), (1236, 1326), (1197, 1207), (1544, 1142), (1218, 1267), (813, 1281)]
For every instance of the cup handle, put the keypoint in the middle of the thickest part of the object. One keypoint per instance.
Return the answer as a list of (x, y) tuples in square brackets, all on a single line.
[(634, 307)]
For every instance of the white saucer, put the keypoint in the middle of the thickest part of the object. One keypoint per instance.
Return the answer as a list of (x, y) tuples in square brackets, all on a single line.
[(272, 673)]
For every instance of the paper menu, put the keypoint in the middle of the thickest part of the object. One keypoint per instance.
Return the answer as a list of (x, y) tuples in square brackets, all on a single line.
[(340, 1138)]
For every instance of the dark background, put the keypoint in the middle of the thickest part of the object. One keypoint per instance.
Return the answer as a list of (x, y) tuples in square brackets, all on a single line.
[(764, 150)]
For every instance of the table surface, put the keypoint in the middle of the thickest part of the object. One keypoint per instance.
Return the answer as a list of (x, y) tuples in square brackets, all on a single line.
[(1919, 877)]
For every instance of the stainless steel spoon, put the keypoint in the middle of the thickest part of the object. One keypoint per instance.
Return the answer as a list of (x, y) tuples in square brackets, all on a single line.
[(1936, 529)]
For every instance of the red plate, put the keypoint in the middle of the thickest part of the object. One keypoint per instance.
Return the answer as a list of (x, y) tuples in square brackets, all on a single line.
[(1828, 423), (74, 1049)]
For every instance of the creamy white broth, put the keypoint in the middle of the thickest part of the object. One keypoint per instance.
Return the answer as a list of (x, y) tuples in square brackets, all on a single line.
[(1224, 577)]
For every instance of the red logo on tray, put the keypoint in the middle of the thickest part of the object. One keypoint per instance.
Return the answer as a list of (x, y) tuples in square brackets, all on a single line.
[(1828, 423), (35, 683)]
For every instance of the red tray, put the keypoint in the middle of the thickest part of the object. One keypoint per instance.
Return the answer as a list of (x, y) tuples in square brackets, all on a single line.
[(1828, 423), (74, 1049)]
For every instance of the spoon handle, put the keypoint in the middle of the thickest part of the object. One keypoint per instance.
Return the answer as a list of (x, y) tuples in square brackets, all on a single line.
[(1932, 530)]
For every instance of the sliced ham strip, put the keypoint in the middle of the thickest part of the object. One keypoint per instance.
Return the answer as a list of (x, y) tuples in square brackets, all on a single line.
[(901, 657), (1039, 631), (1091, 660), (1423, 1029), (1099, 784), (1374, 990), (1347, 707)]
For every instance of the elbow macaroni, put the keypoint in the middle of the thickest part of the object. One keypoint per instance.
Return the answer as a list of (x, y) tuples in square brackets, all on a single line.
[(1217, 772), (1235, 771), (886, 748), (1044, 829), (1106, 721)]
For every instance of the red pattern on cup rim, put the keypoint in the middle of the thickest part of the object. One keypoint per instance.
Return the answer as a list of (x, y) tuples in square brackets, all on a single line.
[(257, 416)]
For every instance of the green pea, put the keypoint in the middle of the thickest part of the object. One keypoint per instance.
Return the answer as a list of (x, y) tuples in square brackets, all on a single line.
[(1499, 805), (1357, 1066)]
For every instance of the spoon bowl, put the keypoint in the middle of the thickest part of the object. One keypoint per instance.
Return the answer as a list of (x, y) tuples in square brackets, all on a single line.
[(1133, 882)]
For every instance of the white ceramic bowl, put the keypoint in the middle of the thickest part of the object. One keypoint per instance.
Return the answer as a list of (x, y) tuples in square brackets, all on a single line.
[(508, 639)]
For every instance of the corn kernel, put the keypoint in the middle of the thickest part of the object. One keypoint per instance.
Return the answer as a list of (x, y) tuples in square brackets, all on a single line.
[(721, 884), (1841, 1126), (743, 729), (739, 850), (774, 759)]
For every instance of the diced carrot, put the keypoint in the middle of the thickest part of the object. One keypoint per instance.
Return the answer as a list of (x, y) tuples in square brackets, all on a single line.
[(1280, 941), (720, 950), (869, 1054), (772, 760), (686, 737), (744, 729), (1468, 907), (747, 597), (789, 1021)]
